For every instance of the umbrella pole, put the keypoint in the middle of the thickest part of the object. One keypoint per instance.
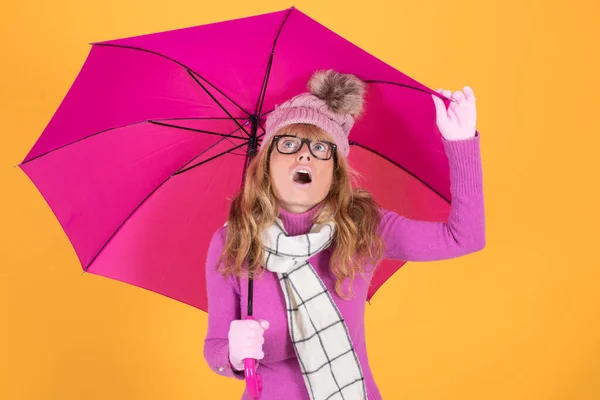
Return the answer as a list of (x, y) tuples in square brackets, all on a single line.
[(250, 295), (251, 152)]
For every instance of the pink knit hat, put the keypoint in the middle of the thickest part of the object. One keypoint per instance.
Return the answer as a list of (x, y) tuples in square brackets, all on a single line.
[(333, 104)]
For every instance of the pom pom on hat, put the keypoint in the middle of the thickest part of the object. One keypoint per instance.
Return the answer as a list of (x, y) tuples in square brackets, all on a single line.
[(343, 93)]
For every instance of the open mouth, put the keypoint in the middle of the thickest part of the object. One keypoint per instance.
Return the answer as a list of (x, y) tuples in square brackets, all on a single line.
[(302, 176)]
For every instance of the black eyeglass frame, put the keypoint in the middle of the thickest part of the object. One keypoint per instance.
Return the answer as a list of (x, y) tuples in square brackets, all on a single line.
[(302, 141)]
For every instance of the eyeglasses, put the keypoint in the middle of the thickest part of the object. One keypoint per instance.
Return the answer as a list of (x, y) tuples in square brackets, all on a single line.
[(288, 144)]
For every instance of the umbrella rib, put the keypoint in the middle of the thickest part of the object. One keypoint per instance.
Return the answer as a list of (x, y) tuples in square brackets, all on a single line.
[(353, 143), (263, 89), (397, 84), (196, 118), (104, 131), (86, 268), (176, 62), (213, 145), (197, 130), (181, 171), (224, 136), (192, 74), (265, 113), (83, 138)]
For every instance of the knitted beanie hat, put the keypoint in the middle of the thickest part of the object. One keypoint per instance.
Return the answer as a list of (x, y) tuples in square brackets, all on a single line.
[(334, 102)]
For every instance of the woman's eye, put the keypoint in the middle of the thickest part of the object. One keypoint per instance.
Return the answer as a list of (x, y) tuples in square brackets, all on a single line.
[(319, 147), (288, 143)]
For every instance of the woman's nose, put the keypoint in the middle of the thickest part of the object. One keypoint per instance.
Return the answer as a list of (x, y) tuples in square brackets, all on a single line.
[(304, 153)]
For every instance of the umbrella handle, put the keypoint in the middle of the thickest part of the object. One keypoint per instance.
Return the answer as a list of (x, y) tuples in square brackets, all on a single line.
[(253, 378)]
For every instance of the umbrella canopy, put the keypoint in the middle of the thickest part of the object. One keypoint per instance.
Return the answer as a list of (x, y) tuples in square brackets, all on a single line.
[(154, 136)]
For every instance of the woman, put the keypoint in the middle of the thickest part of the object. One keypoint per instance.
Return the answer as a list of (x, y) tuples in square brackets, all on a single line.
[(311, 241)]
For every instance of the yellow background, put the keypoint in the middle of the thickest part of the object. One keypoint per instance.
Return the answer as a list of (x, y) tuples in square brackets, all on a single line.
[(520, 320)]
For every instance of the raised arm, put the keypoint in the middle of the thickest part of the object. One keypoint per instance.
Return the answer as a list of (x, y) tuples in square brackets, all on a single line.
[(464, 232)]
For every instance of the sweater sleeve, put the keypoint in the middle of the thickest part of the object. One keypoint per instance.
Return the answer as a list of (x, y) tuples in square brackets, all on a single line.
[(223, 307), (463, 233)]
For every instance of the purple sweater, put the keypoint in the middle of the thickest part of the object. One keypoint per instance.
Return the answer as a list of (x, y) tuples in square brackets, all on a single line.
[(405, 239)]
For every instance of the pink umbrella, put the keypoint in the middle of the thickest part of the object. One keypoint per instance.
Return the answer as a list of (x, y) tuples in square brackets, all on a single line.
[(155, 133)]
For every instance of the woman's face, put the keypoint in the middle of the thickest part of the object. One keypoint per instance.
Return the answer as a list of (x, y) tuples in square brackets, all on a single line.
[(300, 181)]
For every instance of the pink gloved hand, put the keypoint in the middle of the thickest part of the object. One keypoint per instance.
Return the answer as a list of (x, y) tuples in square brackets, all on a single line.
[(246, 338), (459, 120)]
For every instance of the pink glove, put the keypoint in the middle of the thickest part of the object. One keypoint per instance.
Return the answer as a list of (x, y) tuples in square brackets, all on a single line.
[(459, 120), (246, 338)]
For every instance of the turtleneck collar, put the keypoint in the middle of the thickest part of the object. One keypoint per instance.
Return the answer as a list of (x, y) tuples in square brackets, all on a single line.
[(298, 224)]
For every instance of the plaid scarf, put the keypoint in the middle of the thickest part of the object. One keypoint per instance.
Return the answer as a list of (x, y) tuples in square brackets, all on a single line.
[(330, 366)]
